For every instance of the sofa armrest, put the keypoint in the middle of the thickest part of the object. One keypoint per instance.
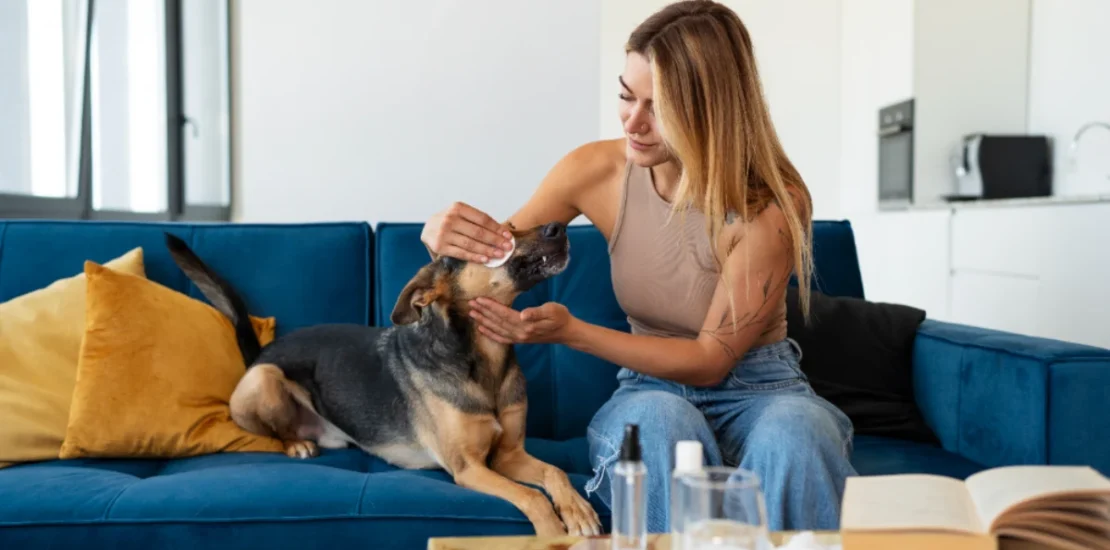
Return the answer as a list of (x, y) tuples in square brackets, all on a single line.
[(999, 398)]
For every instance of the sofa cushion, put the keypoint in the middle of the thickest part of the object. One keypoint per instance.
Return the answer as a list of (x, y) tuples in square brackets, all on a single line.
[(156, 372), (263, 500), (875, 455), (340, 497), (835, 262), (859, 355), (40, 342), (302, 274)]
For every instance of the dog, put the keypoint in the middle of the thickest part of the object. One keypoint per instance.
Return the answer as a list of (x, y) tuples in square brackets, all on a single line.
[(430, 391)]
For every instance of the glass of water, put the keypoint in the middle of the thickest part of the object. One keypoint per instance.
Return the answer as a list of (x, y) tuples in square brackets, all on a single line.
[(724, 510)]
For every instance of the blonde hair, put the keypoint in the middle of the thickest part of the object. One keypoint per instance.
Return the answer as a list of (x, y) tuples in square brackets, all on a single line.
[(715, 121)]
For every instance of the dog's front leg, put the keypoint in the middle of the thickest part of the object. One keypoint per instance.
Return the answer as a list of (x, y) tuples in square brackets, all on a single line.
[(473, 474), (464, 442), (511, 460)]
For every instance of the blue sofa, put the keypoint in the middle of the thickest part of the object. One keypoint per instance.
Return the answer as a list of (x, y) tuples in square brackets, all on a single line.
[(992, 398)]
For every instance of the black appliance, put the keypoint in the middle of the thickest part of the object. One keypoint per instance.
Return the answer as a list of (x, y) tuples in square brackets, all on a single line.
[(991, 166)]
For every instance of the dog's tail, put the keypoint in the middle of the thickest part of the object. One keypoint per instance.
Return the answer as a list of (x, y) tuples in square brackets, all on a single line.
[(220, 294)]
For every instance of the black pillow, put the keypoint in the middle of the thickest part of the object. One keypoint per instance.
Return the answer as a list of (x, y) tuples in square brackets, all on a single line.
[(858, 355)]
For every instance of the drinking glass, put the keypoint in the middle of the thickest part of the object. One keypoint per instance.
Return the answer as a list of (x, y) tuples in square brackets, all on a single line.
[(724, 510)]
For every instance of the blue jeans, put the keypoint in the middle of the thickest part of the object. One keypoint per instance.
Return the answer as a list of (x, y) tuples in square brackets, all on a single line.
[(763, 417)]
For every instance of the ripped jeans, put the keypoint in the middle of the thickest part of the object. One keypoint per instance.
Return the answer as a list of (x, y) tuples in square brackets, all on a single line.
[(763, 417)]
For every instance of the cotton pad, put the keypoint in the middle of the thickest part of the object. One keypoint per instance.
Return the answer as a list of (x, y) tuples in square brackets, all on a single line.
[(498, 262)]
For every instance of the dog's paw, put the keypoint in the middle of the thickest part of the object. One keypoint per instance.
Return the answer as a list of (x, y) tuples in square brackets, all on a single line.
[(549, 527), (580, 518), (301, 449)]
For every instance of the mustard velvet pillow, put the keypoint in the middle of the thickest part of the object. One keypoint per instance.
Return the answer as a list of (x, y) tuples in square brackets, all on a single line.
[(156, 371), (40, 340)]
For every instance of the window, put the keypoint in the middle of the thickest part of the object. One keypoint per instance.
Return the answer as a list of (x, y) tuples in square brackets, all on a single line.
[(115, 109)]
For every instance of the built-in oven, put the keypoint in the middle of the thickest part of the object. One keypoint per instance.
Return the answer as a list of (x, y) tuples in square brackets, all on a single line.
[(895, 134)]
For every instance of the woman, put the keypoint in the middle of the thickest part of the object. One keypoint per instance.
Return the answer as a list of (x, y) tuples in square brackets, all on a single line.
[(698, 143)]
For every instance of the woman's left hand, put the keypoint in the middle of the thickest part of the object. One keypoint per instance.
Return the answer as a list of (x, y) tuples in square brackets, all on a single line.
[(548, 323)]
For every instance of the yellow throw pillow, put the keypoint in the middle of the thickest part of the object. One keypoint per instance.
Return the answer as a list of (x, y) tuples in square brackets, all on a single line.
[(156, 371), (40, 339)]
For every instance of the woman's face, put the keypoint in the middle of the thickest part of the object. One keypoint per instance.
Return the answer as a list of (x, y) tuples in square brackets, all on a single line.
[(645, 145)]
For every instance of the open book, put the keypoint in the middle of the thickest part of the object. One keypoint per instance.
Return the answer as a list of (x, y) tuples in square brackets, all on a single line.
[(1051, 507)]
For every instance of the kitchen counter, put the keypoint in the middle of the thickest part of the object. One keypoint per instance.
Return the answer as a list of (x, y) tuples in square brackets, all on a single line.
[(1002, 203)]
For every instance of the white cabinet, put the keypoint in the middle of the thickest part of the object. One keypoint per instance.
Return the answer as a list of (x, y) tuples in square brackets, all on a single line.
[(1040, 270)]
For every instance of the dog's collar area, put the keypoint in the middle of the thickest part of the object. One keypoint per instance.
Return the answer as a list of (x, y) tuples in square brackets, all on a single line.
[(498, 262)]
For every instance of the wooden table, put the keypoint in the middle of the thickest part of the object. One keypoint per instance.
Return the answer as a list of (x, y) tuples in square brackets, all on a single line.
[(656, 542)]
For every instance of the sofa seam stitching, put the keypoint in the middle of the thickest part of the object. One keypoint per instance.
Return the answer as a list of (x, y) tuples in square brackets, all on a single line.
[(362, 495), (368, 250), (3, 239), (1048, 412), (377, 285), (185, 281), (554, 373), (115, 499), (960, 403), (225, 521)]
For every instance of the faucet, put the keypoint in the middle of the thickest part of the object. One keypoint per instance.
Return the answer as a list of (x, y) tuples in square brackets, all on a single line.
[(1073, 151)]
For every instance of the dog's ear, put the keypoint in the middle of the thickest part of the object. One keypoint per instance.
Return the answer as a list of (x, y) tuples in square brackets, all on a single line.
[(417, 294)]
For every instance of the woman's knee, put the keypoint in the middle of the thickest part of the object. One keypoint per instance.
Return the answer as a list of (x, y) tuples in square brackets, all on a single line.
[(663, 419), (796, 427)]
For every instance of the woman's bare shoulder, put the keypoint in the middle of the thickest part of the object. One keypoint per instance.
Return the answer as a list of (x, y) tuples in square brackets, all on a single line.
[(592, 163), (573, 184)]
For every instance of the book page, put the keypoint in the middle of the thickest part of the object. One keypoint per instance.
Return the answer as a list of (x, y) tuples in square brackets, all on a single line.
[(1078, 520), (996, 490), (908, 501)]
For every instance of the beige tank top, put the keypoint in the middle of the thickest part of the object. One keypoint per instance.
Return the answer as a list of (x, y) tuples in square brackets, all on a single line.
[(662, 269)]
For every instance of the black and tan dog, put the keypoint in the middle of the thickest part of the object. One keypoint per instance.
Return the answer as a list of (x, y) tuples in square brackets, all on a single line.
[(430, 391)]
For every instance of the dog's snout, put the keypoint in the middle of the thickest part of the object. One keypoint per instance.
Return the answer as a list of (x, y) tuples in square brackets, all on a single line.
[(553, 230)]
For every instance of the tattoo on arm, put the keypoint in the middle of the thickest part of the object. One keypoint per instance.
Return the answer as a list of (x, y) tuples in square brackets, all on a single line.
[(724, 345), (727, 327), (732, 245)]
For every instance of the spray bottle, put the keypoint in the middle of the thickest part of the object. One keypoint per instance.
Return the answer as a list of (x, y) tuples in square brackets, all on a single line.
[(629, 494)]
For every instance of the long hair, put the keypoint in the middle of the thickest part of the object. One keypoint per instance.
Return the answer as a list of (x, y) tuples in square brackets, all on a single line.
[(715, 122)]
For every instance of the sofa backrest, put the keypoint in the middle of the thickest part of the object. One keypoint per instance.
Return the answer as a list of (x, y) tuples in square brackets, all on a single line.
[(303, 274), (308, 274), (565, 387)]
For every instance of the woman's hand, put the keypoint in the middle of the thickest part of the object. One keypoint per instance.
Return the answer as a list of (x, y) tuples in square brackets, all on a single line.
[(464, 232), (549, 323)]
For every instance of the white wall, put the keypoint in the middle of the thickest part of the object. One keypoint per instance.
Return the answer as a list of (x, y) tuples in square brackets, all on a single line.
[(385, 110), (1070, 85), (797, 48), (970, 75), (877, 70), (903, 256)]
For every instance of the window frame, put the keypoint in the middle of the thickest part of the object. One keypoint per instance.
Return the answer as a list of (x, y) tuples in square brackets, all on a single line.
[(79, 207)]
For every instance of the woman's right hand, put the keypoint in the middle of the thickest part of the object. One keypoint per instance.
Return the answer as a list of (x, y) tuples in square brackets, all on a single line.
[(464, 232)]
